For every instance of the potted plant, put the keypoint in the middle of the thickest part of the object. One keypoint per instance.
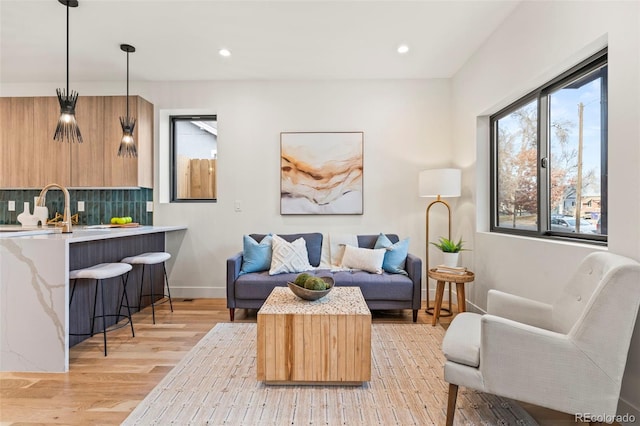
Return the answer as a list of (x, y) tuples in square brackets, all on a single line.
[(450, 250)]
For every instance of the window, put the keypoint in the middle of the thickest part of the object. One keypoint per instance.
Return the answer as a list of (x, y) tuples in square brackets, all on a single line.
[(194, 153), (549, 158)]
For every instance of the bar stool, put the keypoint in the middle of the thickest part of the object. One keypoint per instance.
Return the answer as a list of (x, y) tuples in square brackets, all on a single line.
[(99, 273), (151, 258)]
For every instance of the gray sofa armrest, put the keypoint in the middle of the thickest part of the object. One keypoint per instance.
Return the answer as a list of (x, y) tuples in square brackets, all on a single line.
[(414, 270), (234, 263)]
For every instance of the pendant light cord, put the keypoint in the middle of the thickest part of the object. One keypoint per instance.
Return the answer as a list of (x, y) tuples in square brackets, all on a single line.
[(127, 85), (67, 48)]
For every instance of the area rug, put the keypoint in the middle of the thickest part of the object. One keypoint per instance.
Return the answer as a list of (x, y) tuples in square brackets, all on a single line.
[(215, 384)]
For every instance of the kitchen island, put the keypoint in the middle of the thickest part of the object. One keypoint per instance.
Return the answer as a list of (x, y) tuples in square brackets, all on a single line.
[(34, 287)]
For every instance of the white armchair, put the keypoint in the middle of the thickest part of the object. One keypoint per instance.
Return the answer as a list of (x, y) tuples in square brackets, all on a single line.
[(569, 356)]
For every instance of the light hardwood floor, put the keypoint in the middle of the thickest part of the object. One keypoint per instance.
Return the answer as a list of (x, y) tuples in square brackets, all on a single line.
[(104, 390)]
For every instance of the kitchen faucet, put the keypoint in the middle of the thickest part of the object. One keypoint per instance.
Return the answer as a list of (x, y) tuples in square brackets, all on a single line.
[(66, 217)]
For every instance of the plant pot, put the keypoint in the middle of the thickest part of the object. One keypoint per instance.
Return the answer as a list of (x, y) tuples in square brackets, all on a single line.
[(450, 259)]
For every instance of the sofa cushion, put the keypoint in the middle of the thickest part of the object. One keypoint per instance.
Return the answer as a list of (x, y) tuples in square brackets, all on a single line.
[(289, 257), (258, 286), (312, 240), (256, 256), (369, 241), (361, 258), (377, 287), (395, 256)]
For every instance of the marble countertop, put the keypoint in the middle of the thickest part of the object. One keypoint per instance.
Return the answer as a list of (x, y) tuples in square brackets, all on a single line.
[(81, 233), (34, 288)]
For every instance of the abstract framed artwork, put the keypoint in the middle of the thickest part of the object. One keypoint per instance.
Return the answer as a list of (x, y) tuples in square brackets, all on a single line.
[(321, 172)]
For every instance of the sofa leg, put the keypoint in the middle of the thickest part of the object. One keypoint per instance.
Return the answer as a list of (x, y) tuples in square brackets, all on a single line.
[(415, 315), (232, 312), (451, 404)]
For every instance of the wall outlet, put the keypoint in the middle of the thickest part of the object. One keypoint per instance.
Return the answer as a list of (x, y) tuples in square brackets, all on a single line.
[(80, 206), (149, 206), (12, 206)]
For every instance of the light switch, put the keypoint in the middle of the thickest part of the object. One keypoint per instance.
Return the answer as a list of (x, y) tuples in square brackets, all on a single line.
[(149, 206), (12, 206), (80, 206), (237, 206)]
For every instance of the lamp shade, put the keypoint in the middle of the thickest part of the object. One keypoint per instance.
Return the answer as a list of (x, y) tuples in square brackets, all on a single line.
[(440, 182)]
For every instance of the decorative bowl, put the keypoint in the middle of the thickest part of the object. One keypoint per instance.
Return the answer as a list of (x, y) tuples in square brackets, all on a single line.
[(306, 294)]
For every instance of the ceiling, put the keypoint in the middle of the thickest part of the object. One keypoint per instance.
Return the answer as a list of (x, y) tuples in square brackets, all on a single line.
[(270, 40)]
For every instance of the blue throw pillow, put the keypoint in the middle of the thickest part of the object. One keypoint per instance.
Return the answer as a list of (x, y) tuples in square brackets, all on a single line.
[(396, 255), (256, 257)]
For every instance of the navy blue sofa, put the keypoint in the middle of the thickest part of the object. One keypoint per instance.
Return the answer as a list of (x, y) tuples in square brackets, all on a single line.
[(380, 291)]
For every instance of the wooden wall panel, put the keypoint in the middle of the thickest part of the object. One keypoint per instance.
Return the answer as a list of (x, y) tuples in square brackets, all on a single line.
[(30, 158), (87, 158), (118, 171), (5, 104), (18, 149), (52, 162), (144, 142)]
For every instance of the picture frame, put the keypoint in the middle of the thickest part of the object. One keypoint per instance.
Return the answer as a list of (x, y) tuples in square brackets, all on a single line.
[(321, 173)]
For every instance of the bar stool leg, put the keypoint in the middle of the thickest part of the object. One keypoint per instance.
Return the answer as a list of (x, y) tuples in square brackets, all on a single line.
[(141, 290), (93, 314), (73, 290), (166, 279), (124, 294), (151, 291), (124, 297), (104, 323)]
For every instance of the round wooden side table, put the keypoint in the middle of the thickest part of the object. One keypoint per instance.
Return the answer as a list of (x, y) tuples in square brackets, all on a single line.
[(442, 278)]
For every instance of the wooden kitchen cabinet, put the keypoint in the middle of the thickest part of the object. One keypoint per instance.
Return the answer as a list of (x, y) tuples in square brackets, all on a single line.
[(127, 171), (17, 147), (51, 162), (118, 171), (88, 157), (145, 143), (30, 158)]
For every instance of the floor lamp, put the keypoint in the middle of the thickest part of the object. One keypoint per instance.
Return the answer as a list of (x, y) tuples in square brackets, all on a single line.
[(438, 183)]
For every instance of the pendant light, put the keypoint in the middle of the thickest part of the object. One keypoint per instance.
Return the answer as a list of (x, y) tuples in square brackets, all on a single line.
[(127, 144), (67, 127)]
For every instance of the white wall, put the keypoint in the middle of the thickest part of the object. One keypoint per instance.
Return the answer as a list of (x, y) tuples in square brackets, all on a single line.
[(406, 128), (538, 41)]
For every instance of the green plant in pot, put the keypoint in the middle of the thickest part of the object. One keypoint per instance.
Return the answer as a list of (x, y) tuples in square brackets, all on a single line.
[(450, 250)]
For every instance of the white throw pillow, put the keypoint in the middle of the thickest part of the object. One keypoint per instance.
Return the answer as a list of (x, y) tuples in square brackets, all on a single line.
[(369, 260), (289, 257), (337, 245)]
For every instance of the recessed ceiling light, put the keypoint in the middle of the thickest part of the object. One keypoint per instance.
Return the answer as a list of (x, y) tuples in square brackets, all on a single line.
[(403, 48), (224, 52)]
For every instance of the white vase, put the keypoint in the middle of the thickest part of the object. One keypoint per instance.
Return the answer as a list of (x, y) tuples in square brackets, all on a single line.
[(450, 259)]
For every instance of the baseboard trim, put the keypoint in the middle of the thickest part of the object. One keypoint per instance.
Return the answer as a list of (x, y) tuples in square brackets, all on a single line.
[(199, 292)]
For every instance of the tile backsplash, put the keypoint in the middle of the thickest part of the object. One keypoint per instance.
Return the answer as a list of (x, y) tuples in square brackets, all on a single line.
[(100, 205)]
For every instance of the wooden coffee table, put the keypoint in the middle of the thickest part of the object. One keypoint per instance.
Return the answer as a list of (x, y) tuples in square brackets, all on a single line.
[(327, 341)]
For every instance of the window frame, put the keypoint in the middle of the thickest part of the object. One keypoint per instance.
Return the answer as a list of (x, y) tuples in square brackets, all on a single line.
[(541, 95), (172, 156)]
